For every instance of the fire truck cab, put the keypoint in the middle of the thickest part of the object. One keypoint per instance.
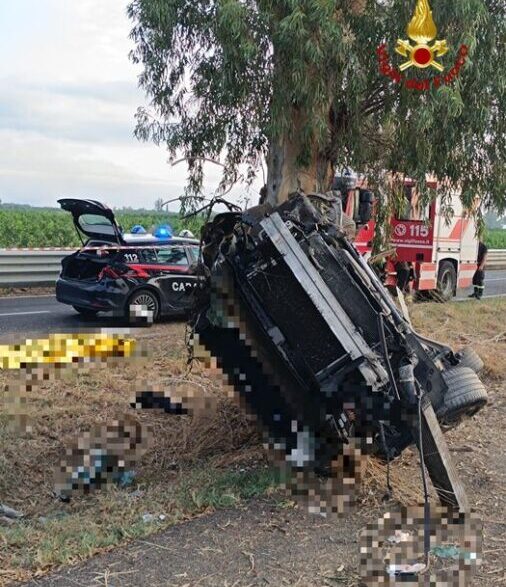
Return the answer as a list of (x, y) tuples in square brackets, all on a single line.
[(437, 252)]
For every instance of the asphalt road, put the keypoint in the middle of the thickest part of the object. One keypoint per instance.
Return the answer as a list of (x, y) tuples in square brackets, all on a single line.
[(43, 314)]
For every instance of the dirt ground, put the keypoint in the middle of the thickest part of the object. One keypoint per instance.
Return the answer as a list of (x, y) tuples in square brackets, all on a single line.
[(266, 541), (262, 544), (26, 291)]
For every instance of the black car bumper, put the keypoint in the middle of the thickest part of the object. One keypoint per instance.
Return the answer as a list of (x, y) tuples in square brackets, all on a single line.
[(103, 296)]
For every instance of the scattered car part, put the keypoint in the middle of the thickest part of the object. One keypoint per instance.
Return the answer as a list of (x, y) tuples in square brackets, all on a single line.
[(9, 512)]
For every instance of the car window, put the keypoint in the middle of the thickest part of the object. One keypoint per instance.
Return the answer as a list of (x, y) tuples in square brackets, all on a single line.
[(95, 224), (148, 256), (172, 256), (194, 253)]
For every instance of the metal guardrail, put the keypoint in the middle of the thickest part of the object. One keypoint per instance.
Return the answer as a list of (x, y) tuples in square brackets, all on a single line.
[(31, 267)]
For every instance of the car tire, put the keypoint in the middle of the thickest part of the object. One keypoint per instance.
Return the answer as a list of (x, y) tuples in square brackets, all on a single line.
[(446, 282), (466, 395), (143, 297), (470, 358), (85, 312)]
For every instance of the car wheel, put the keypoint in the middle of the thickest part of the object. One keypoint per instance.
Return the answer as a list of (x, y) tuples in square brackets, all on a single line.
[(446, 282), (141, 301), (470, 358), (85, 312), (466, 395)]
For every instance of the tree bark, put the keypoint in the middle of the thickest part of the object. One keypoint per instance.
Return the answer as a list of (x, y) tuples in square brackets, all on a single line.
[(285, 173)]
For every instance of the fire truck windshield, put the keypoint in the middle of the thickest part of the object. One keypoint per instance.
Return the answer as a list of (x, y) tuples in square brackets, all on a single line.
[(412, 208)]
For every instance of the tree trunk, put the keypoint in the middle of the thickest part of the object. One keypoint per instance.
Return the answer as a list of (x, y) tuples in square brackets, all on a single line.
[(285, 172), (286, 175)]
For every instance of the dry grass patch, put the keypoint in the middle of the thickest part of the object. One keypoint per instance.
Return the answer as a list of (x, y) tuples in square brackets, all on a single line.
[(481, 325)]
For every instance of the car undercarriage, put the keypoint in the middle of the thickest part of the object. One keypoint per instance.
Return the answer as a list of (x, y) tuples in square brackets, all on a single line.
[(316, 349)]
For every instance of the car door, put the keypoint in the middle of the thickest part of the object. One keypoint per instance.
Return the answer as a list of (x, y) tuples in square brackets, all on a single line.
[(176, 281)]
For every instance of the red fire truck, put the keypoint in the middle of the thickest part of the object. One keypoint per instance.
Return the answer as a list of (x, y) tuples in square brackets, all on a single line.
[(432, 253)]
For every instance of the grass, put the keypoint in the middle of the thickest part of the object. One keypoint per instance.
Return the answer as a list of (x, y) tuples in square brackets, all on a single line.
[(116, 516), (477, 324), (194, 466), (495, 238)]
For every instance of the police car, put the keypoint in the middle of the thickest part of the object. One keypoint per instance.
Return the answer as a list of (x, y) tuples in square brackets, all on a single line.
[(139, 276)]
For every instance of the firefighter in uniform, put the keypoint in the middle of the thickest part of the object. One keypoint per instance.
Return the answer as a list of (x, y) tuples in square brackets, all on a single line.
[(479, 275)]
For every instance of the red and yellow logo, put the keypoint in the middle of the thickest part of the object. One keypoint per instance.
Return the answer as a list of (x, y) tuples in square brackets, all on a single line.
[(422, 30), (422, 51)]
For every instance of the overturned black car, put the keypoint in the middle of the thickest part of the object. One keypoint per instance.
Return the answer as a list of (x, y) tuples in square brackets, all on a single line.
[(137, 276), (317, 349)]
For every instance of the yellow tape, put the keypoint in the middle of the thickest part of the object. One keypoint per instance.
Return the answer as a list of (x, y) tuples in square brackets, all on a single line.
[(63, 349)]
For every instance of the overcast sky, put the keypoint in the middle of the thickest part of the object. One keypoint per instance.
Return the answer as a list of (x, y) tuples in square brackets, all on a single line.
[(68, 96)]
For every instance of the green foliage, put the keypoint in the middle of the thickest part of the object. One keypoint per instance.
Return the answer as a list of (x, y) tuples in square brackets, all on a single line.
[(229, 77), (224, 489), (54, 228), (495, 239)]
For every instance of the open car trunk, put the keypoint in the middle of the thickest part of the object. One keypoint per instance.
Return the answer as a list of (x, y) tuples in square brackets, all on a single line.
[(84, 265), (93, 220)]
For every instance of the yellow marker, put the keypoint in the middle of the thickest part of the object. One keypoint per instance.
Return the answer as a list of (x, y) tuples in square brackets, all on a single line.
[(422, 30), (64, 349)]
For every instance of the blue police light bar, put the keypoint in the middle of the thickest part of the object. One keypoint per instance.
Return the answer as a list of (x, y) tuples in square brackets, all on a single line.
[(163, 232)]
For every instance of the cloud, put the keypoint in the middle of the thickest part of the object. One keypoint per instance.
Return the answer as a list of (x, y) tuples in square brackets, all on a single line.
[(102, 112), (37, 170), (67, 108)]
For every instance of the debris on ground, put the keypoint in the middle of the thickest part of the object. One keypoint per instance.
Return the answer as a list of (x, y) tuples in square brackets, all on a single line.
[(150, 518), (9, 512), (105, 454)]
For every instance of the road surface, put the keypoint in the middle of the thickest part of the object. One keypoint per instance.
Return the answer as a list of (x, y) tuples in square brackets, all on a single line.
[(28, 315)]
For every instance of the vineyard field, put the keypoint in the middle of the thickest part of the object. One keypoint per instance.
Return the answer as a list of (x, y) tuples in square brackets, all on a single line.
[(54, 228), (495, 239)]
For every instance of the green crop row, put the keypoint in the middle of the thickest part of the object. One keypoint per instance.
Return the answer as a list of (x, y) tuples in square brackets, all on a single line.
[(54, 228), (495, 239)]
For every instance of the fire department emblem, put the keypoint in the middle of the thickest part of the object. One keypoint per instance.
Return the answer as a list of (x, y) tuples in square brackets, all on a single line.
[(400, 230), (422, 30)]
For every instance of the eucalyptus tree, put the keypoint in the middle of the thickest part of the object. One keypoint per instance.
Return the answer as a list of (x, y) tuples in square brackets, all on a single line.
[(315, 85)]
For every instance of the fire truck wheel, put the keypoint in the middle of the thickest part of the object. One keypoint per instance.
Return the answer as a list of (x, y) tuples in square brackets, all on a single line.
[(470, 358), (446, 282), (466, 395)]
